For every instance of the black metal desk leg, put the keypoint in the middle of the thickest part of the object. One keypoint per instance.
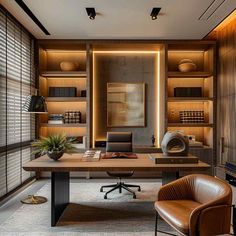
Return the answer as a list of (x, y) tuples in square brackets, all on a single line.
[(168, 177), (60, 194)]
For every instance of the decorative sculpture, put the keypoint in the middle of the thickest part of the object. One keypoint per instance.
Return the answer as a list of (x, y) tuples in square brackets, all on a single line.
[(175, 144), (153, 140)]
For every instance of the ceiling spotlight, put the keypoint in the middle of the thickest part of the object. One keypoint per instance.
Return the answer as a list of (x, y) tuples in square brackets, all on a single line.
[(91, 12), (155, 12)]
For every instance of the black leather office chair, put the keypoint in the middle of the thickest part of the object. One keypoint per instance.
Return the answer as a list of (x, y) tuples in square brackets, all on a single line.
[(120, 142)]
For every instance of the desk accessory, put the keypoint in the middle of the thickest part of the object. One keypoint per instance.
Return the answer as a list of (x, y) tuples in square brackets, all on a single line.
[(192, 116), (188, 92), (92, 155), (160, 158), (175, 144), (62, 92), (187, 65), (72, 117), (69, 66)]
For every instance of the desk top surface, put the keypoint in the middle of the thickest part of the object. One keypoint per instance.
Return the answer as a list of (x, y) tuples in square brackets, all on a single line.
[(74, 162)]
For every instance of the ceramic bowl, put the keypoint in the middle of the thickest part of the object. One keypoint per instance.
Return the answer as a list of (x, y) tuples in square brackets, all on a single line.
[(69, 66), (187, 65)]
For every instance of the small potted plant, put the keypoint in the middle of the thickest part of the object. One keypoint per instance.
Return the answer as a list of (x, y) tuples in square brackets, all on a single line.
[(54, 146)]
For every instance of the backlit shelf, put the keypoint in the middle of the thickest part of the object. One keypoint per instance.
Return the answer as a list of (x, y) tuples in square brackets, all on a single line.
[(63, 125), (65, 99), (190, 125), (194, 74), (51, 74), (189, 99)]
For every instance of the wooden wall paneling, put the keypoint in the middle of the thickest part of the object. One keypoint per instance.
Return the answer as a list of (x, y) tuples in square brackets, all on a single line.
[(226, 96), (42, 60)]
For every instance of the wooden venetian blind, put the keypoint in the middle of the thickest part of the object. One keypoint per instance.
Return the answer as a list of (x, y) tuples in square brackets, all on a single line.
[(17, 80)]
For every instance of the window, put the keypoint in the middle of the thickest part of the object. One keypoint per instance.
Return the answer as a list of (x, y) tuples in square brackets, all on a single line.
[(17, 81)]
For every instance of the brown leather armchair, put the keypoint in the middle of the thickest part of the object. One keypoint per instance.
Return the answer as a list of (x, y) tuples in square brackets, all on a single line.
[(196, 205)]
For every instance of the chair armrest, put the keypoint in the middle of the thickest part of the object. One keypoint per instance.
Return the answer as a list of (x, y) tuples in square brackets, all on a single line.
[(215, 220), (175, 190), (212, 210)]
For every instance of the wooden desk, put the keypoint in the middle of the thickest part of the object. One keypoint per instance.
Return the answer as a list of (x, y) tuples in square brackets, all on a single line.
[(60, 173)]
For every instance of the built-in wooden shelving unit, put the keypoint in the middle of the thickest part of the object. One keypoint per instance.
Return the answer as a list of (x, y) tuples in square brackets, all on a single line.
[(203, 55), (51, 54)]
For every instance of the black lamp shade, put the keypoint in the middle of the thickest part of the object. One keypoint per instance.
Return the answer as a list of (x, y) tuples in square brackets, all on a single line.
[(35, 104)]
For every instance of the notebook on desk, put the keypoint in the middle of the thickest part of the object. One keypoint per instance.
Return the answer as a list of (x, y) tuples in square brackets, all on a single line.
[(119, 155)]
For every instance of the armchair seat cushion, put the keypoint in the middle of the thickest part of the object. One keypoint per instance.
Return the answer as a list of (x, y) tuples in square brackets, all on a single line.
[(176, 213)]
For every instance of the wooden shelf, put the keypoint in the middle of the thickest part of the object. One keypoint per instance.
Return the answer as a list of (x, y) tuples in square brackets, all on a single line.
[(51, 74), (63, 125), (189, 125), (66, 99), (189, 99), (194, 74)]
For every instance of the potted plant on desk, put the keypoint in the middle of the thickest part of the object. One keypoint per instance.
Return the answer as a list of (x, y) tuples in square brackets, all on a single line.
[(54, 146)]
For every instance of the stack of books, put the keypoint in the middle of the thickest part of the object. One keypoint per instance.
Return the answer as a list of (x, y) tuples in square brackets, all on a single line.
[(91, 155), (55, 119)]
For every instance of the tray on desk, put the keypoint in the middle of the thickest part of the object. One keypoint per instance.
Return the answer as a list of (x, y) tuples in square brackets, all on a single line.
[(160, 158)]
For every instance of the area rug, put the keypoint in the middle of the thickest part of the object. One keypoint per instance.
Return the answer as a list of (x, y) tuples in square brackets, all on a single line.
[(89, 214)]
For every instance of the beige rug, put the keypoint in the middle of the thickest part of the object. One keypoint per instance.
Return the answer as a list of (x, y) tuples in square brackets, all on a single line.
[(89, 214)]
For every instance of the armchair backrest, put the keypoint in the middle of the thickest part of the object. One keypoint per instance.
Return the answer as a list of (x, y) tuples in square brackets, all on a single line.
[(205, 189), (119, 142)]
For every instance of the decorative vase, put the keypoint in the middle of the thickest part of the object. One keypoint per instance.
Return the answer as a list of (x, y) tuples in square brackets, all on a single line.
[(55, 155), (187, 65), (69, 66)]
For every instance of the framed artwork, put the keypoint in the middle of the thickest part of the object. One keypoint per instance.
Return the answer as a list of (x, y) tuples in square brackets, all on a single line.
[(126, 104)]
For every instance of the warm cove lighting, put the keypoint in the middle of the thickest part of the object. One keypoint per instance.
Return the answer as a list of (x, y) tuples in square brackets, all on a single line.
[(226, 21), (157, 132), (124, 52)]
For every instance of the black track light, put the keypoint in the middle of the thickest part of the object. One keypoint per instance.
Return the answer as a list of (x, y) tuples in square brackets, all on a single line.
[(155, 12), (91, 12)]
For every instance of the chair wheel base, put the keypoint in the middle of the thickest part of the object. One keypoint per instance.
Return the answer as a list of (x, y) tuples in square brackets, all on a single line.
[(134, 196), (139, 189), (101, 190), (105, 197)]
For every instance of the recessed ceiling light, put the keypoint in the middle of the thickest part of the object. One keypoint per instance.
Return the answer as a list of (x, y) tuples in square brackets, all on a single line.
[(155, 12), (91, 12)]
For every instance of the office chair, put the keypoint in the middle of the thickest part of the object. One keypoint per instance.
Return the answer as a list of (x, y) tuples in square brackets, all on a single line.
[(120, 142)]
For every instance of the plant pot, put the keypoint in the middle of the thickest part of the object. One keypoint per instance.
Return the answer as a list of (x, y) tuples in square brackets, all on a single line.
[(55, 155)]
